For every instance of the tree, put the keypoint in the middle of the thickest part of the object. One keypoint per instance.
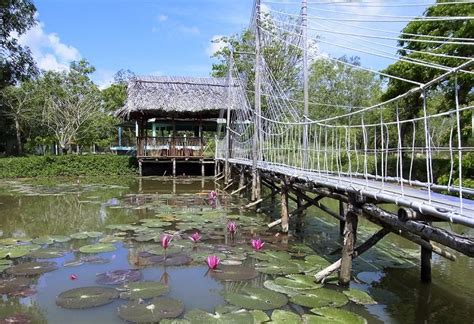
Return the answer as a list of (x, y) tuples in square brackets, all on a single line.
[(16, 62), (412, 105), (333, 83), (17, 101), (283, 61), (71, 100)]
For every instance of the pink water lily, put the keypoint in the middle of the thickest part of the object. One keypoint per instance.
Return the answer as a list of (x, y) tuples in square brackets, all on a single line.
[(165, 241), (232, 227), (213, 261), (212, 195), (195, 237), (257, 244)]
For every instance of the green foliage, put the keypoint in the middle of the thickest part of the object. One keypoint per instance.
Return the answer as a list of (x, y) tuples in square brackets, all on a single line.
[(114, 97), (66, 165), (16, 62)]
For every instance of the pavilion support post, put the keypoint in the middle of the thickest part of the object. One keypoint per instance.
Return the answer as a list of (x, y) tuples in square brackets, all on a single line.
[(174, 167), (350, 237), (203, 168), (284, 206), (342, 213), (140, 168)]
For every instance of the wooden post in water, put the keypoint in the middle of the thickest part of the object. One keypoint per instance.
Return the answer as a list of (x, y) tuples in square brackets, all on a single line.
[(300, 215), (284, 206), (350, 236), (342, 213), (425, 264), (242, 180)]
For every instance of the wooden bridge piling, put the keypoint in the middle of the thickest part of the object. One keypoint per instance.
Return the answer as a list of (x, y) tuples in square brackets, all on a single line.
[(350, 238), (342, 213), (284, 205)]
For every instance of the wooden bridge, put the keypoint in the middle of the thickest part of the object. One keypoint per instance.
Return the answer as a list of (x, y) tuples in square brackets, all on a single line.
[(357, 156)]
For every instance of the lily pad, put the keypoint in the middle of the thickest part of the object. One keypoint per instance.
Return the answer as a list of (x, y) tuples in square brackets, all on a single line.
[(8, 286), (234, 273), (359, 297), (16, 251), (259, 316), (276, 267), (86, 235), (198, 316), (5, 264), (321, 297), (50, 253), (32, 268), (118, 277), (257, 298), (142, 289), (299, 282), (282, 316), (97, 248), (336, 315), (86, 297), (50, 239), (156, 310), (270, 284)]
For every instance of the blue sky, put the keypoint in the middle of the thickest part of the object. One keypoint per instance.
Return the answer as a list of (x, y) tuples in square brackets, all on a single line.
[(162, 37)]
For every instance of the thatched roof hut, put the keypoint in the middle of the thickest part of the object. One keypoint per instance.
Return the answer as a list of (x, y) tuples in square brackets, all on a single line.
[(175, 97)]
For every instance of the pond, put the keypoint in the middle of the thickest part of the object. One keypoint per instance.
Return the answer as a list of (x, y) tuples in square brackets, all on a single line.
[(90, 250)]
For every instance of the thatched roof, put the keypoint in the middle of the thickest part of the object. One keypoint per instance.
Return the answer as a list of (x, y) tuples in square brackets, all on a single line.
[(164, 96)]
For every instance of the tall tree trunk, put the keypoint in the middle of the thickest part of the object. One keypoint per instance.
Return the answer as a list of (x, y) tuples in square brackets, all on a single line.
[(18, 137)]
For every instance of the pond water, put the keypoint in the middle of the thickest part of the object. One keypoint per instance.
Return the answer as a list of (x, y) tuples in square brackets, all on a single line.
[(84, 230)]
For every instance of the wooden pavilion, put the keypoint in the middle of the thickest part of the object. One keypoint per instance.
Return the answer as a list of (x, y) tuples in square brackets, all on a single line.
[(172, 115)]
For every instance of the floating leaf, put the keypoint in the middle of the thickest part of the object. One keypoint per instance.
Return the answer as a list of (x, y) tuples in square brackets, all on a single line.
[(259, 316), (199, 316), (272, 256), (16, 251), (5, 264), (231, 262), (335, 315), (50, 253), (118, 277), (278, 268), (86, 235), (156, 310), (32, 268), (256, 298), (8, 286), (142, 289), (174, 321), (86, 297), (281, 316), (97, 248), (359, 297), (321, 297), (270, 284), (14, 240), (233, 273), (298, 282)]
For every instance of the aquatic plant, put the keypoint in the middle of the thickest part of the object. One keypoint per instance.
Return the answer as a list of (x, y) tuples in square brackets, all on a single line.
[(73, 277), (195, 237), (232, 227), (257, 244), (213, 261), (212, 195), (165, 241)]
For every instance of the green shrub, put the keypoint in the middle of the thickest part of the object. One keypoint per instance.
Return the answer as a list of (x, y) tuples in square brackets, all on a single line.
[(67, 165)]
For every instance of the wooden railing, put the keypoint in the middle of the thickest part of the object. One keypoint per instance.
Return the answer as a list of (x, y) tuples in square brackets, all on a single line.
[(170, 146)]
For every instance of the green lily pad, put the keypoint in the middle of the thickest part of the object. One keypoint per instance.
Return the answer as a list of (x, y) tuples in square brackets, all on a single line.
[(142, 289), (270, 284), (158, 309), (336, 315), (8, 286), (86, 297), (110, 239), (5, 264), (281, 316), (278, 268), (14, 240), (224, 309), (32, 268), (321, 297), (86, 235), (198, 316), (299, 282), (256, 298), (118, 277), (50, 239), (122, 227), (359, 297), (16, 251), (174, 321), (272, 256), (259, 316), (97, 248), (50, 253), (234, 273)]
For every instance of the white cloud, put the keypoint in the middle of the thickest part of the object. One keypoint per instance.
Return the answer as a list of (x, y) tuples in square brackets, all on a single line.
[(48, 50), (103, 78), (215, 45), (162, 18)]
